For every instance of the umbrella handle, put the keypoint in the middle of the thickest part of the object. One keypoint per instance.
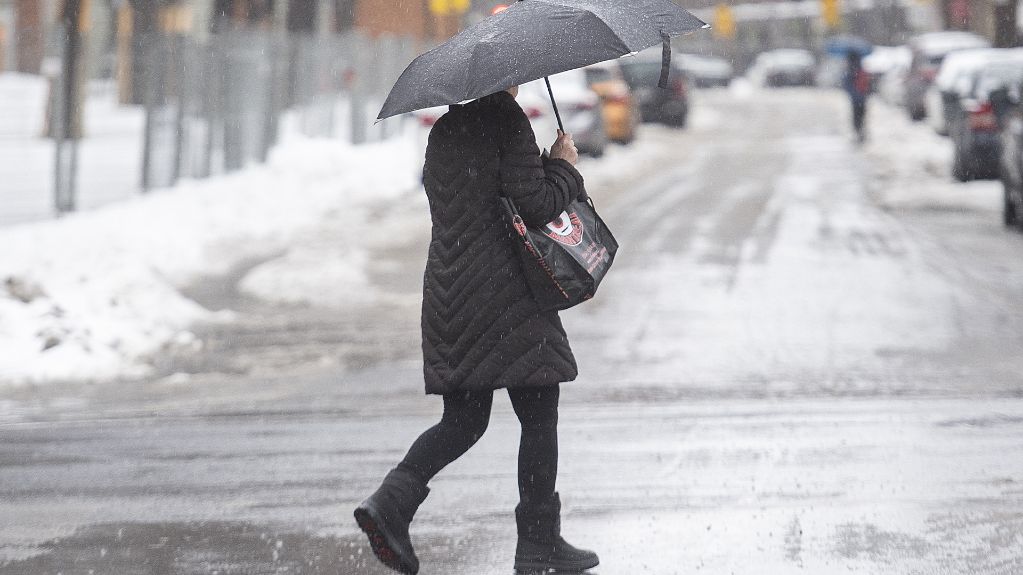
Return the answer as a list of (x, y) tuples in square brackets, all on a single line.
[(553, 103)]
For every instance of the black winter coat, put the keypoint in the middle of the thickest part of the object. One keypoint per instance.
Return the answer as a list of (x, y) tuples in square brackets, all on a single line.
[(482, 329)]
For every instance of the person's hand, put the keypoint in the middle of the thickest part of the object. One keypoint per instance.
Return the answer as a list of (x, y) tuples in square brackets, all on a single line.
[(564, 148)]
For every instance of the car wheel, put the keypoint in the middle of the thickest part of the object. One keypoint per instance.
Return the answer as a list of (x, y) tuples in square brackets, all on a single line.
[(917, 114), (1010, 212)]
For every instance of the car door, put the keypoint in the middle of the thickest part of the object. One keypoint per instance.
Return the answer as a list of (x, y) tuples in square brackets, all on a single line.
[(1012, 141)]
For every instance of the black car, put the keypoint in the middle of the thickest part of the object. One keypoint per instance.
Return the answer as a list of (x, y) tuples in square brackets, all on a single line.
[(665, 105), (975, 124), (1008, 104), (785, 67)]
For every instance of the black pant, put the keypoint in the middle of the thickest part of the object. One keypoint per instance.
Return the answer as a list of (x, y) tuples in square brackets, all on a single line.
[(465, 418), (859, 113)]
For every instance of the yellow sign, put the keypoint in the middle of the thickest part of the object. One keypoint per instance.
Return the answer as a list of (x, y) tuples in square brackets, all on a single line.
[(445, 7), (831, 12), (439, 7), (724, 22)]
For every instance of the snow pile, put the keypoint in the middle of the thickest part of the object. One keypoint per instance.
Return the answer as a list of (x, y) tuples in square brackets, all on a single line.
[(914, 165), (21, 95), (96, 294)]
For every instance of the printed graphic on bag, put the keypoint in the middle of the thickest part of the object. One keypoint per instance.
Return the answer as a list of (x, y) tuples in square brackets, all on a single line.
[(595, 255), (567, 229)]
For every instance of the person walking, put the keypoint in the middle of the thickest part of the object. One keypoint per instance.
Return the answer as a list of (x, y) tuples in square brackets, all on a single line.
[(856, 82), (483, 330)]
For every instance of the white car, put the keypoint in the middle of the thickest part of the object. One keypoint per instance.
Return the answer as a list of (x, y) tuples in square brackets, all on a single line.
[(889, 65), (706, 71), (579, 106)]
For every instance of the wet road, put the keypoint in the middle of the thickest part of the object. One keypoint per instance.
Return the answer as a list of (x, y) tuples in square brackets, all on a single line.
[(779, 377)]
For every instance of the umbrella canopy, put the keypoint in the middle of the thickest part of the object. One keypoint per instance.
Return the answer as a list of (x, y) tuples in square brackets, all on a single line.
[(847, 44), (531, 40)]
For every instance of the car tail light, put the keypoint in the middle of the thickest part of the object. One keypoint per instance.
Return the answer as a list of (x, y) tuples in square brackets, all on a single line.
[(533, 112), (582, 106), (929, 74), (678, 86), (619, 98), (983, 119), (427, 121)]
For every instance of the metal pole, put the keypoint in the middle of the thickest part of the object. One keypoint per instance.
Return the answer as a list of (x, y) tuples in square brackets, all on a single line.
[(151, 60), (182, 71), (67, 166), (358, 96)]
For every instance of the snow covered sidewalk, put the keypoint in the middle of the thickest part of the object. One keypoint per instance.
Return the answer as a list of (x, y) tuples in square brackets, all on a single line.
[(912, 166), (95, 295), (98, 295)]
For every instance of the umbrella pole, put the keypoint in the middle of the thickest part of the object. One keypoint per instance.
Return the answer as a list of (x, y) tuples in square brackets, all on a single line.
[(553, 103)]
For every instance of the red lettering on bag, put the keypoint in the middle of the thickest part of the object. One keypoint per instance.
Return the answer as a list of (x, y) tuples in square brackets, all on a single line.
[(597, 259)]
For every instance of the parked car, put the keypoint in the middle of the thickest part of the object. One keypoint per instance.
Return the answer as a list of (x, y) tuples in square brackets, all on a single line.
[(579, 107), (976, 123), (785, 67), (928, 53), (1009, 105), (706, 71), (619, 108), (666, 105), (886, 62), (955, 79)]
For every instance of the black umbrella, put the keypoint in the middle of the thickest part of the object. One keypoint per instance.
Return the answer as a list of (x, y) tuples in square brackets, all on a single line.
[(534, 39)]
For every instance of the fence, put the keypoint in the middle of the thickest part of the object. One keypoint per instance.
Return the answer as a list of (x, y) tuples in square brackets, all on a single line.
[(210, 107)]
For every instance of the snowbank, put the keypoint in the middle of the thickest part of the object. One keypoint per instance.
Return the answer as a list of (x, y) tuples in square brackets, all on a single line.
[(95, 295), (913, 166)]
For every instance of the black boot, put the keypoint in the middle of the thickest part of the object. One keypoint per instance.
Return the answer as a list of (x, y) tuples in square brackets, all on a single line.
[(540, 548), (385, 517)]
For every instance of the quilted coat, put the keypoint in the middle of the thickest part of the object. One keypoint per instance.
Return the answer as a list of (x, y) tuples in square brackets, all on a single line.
[(482, 329)]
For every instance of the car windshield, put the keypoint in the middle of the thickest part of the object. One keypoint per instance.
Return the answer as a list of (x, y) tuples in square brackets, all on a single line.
[(1001, 75), (594, 75)]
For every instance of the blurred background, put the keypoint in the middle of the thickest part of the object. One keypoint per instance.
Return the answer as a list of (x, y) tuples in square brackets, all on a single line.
[(102, 99), (806, 360)]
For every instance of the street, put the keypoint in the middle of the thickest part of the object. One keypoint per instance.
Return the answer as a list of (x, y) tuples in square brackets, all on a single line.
[(785, 372)]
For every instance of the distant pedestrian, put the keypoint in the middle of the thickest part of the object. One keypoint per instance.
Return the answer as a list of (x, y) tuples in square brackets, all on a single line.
[(857, 84), (483, 330)]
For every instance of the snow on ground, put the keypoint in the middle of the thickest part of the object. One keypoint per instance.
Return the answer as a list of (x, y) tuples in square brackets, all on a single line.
[(95, 294), (913, 164), (813, 235)]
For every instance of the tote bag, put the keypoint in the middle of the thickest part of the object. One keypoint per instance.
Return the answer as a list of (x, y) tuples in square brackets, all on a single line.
[(566, 259)]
